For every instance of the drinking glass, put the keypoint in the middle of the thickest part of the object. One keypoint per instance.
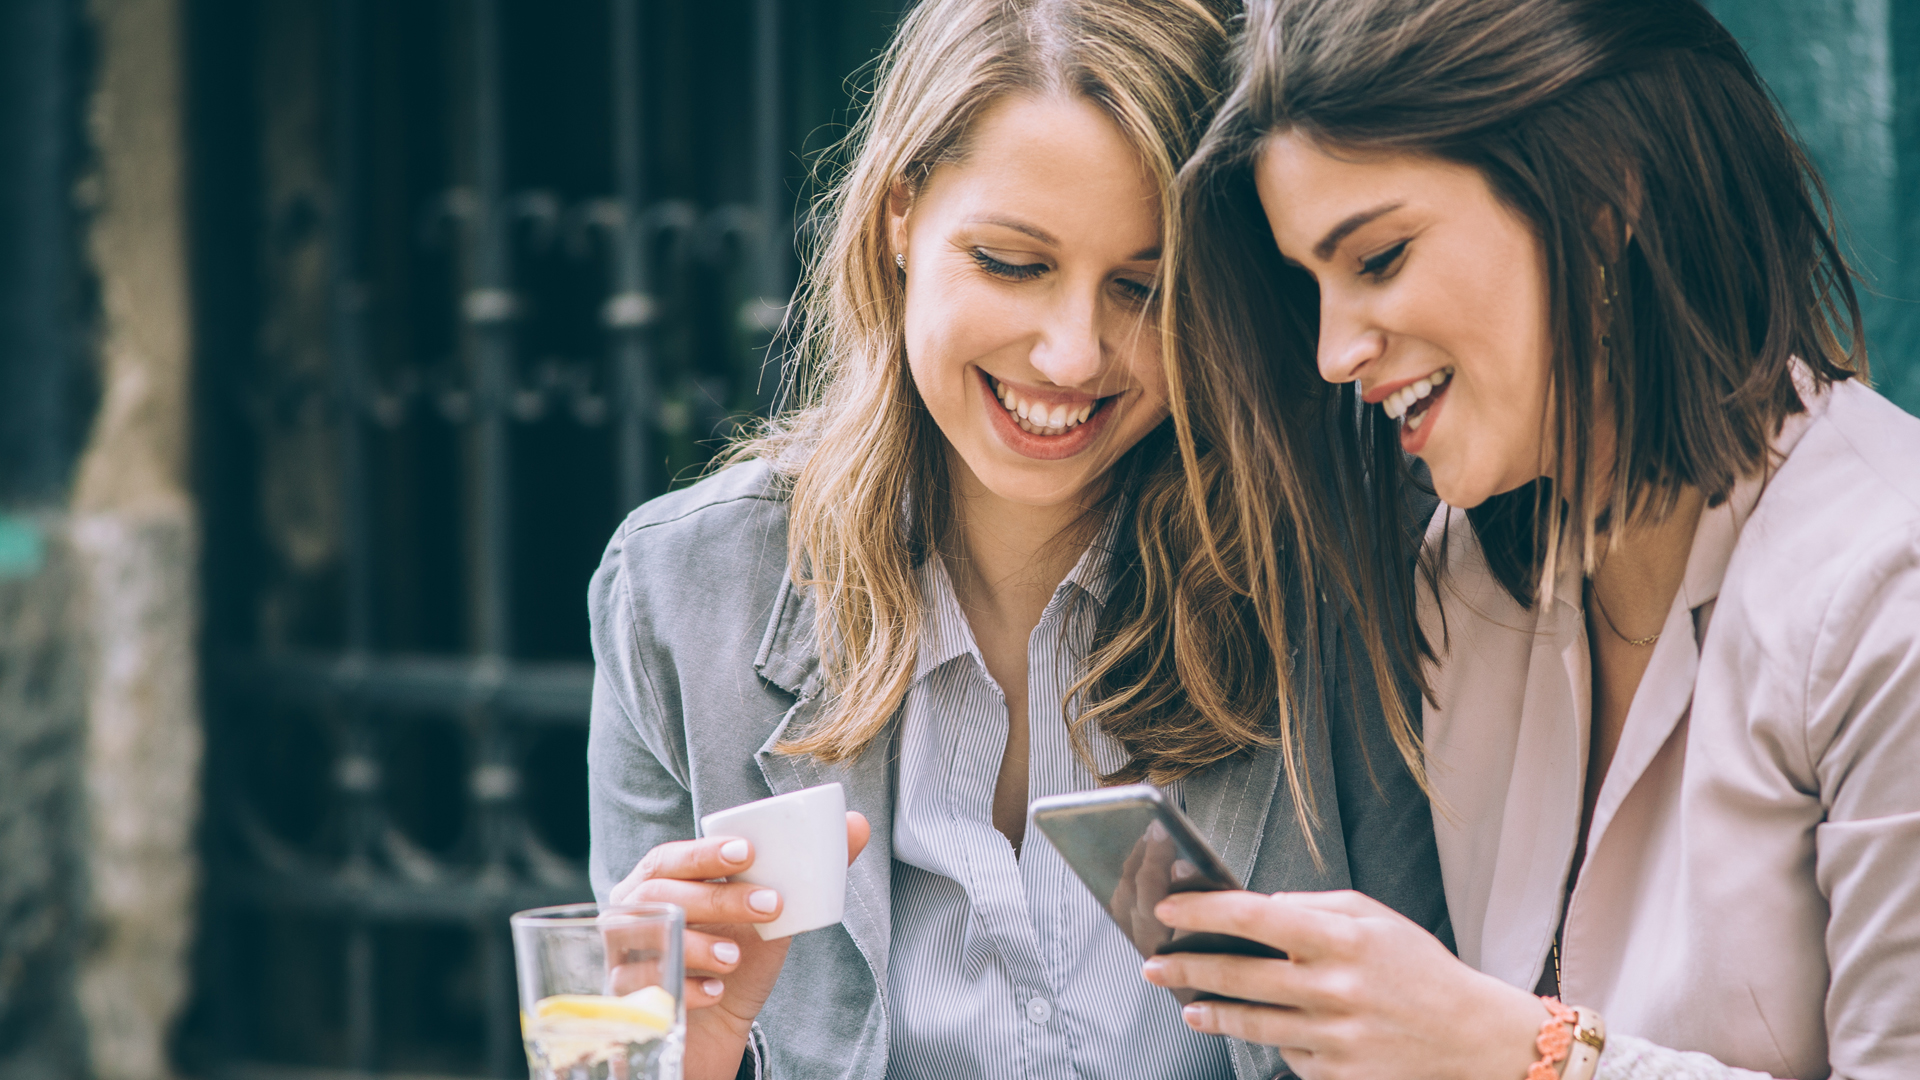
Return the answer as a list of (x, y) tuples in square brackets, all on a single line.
[(600, 991)]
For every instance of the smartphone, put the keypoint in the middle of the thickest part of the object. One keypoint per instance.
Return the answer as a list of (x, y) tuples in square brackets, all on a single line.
[(1133, 848)]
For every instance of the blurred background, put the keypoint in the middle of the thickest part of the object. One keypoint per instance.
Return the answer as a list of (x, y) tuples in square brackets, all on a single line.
[(336, 336)]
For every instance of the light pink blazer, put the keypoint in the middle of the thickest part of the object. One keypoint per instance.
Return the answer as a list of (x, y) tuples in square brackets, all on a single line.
[(1751, 887)]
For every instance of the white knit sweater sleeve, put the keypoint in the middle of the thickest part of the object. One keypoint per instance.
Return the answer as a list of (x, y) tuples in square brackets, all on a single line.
[(1628, 1058)]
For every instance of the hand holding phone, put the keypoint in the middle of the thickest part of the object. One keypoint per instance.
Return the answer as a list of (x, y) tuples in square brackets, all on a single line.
[(1133, 848)]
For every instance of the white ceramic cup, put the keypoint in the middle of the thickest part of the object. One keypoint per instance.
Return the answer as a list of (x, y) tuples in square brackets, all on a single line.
[(799, 851)]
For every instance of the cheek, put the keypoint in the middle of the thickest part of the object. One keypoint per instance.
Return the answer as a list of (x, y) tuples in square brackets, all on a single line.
[(1149, 373), (940, 341)]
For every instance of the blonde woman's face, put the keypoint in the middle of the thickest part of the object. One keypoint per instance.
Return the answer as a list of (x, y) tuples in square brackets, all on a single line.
[(1432, 297), (1030, 271)]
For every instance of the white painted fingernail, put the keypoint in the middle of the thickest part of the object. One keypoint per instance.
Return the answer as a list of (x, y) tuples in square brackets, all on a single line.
[(726, 952), (735, 851), (713, 987), (763, 900)]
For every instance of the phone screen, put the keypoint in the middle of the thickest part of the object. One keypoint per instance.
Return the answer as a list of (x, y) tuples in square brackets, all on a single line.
[(1132, 850)]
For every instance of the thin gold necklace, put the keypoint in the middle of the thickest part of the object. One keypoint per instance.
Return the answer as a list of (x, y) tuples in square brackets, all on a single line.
[(1636, 642)]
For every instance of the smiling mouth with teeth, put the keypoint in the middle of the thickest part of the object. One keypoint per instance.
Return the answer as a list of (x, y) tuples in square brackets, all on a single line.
[(1040, 418), (1409, 404)]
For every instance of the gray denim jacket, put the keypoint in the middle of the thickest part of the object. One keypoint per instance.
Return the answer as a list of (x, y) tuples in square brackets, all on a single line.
[(705, 658)]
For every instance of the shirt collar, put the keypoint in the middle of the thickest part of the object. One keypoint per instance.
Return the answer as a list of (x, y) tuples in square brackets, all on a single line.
[(945, 632), (1719, 529)]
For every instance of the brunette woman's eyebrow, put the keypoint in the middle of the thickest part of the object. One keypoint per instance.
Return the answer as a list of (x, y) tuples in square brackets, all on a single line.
[(1324, 249)]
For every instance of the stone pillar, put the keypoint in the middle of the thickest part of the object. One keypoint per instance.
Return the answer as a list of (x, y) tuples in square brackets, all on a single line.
[(41, 811), (134, 540)]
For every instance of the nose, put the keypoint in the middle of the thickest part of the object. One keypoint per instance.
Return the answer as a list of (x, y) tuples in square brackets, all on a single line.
[(1348, 341), (1069, 351)]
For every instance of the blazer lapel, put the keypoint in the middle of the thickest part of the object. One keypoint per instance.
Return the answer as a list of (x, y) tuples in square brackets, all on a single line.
[(1541, 823), (789, 659), (1233, 801)]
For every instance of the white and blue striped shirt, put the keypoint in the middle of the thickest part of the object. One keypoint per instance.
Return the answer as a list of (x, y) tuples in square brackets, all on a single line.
[(1000, 966)]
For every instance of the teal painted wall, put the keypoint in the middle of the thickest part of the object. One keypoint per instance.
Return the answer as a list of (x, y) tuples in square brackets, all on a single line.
[(1848, 73)]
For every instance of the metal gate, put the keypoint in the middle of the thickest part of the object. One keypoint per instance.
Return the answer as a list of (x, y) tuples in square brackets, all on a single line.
[(475, 277)]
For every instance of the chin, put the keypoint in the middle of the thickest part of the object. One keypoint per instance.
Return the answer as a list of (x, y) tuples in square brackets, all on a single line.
[(1036, 491), (1461, 492)]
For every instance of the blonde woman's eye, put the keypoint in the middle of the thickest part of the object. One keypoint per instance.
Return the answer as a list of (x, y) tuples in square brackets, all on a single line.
[(1134, 291), (1378, 265), (1007, 270)]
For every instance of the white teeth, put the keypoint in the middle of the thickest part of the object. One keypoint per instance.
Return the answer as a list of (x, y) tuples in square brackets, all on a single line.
[(1397, 403), (1037, 417)]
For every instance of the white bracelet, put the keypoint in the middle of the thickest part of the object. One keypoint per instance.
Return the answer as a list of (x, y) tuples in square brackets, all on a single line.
[(1589, 1039)]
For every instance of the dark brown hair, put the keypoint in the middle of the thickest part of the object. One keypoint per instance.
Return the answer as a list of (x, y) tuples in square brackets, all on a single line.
[(1688, 256)]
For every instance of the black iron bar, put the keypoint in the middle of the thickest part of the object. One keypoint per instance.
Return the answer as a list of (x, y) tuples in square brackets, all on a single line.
[(355, 775), (392, 900), (632, 309), (771, 203), (491, 307), (349, 319), (504, 1053), (550, 692), (770, 198), (360, 997)]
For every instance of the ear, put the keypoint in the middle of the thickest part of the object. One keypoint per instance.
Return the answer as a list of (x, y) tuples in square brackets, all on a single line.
[(899, 205)]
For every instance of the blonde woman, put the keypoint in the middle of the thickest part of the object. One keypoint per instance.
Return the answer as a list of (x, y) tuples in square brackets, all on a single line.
[(967, 571)]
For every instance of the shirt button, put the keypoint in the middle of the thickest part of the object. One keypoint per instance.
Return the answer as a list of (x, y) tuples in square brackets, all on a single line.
[(1039, 1011)]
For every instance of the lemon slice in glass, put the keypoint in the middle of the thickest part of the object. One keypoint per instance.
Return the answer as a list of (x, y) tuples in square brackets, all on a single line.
[(650, 1007)]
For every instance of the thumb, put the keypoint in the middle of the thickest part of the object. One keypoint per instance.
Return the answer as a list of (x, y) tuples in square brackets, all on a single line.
[(858, 832)]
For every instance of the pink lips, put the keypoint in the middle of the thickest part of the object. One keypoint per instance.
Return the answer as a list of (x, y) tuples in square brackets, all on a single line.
[(1039, 447)]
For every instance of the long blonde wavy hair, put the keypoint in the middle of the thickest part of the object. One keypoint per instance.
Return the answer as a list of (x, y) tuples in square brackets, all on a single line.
[(1194, 649)]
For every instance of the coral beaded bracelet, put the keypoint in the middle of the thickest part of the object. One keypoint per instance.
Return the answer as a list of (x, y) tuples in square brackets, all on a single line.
[(1569, 1035)]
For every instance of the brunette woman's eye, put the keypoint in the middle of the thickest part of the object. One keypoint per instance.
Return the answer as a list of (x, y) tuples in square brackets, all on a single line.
[(1378, 265), (1009, 271)]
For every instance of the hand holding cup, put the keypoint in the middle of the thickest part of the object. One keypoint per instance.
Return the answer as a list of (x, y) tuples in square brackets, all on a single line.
[(731, 965)]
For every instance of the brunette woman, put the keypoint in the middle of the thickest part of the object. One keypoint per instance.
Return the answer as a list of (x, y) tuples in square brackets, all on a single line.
[(964, 573), (1567, 254)]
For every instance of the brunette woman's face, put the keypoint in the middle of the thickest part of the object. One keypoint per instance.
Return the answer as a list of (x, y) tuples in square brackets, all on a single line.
[(1432, 297), (1030, 271)]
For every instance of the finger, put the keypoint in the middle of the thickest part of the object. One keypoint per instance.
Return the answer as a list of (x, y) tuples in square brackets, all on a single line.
[(1356, 905), (706, 902), (858, 832), (1253, 978), (1156, 869), (703, 992), (634, 960), (687, 860), (1301, 932), (1268, 1025), (711, 953)]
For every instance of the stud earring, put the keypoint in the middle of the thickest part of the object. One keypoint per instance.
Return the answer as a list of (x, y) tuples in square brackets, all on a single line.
[(900, 259)]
